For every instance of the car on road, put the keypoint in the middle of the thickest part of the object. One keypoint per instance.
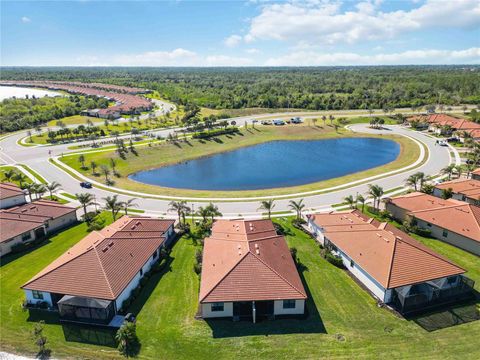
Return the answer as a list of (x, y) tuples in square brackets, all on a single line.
[(86, 185), (278, 122), (296, 120), (266, 122)]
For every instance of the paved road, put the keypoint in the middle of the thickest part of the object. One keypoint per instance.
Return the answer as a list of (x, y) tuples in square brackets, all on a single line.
[(37, 159)]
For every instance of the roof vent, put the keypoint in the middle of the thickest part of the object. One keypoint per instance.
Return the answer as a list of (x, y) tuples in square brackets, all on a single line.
[(258, 252), (256, 246), (105, 249), (110, 244)]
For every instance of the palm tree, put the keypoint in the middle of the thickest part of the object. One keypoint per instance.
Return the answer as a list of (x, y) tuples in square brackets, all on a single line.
[(297, 207), (93, 165), (268, 206), (113, 163), (21, 178), (112, 204), (81, 160), (30, 187), (53, 186), (39, 190), (9, 174), (420, 178), (213, 211), (360, 199), (129, 204), (204, 213), (85, 199), (105, 171), (449, 170), (376, 192), (179, 207), (350, 201), (324, 119), (412, 181)]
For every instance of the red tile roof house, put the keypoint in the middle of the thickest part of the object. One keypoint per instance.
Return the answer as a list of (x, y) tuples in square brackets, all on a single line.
[(467, 190), (11, 195), (452, 221), (248, 273), (16, 229), (89, 283), (395, 268), (476, 174), (55, 216)]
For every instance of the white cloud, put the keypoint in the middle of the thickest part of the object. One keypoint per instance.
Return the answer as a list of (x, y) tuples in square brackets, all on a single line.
[(26, 19), (176, 57), (311, 58), (252, 51), (233, 40), (324, 22)]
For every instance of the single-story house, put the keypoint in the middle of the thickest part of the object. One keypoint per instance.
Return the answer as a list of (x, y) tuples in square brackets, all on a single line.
[(462, 189), (452, 221), (476, 174), (248, 273), (55, 216), (395, 268), (18, 229), (90, 282), (11, 195)]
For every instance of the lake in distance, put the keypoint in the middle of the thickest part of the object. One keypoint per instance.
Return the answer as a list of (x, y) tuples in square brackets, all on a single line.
[(274, 164)]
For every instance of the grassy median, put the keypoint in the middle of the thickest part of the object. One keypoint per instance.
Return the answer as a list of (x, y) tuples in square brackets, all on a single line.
[(162, 154)]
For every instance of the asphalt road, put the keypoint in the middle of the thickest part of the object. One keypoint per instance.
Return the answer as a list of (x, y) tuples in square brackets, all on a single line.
[(37, 158)]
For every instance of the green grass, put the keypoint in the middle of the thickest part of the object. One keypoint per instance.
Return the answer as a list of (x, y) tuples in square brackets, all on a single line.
[(167, 328), (12, 181), (57, 199), (75, 120), (167, 153), (73, 197)]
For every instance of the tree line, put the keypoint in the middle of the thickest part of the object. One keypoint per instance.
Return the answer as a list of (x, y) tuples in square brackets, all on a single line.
[(314, 88)]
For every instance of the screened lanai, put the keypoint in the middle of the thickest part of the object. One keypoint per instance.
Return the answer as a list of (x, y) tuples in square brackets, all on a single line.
[(88, 310)]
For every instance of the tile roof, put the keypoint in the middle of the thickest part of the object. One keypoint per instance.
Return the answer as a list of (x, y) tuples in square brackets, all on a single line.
[(8, 190), (453, 215), (102, 264), (42, 209), (476, 171), (247, 261), (468, 187), (389, 255), (12, 225)]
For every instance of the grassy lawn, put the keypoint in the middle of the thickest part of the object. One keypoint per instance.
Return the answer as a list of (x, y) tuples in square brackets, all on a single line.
[(338, 309), (5, 168), (34, 173), (75, 120), (168, 153)]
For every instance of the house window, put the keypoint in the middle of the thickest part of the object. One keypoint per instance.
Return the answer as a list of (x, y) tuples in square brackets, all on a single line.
[(289, 304), (218, 306), (445, 233), (37, 294), (26, 236), (352, 264)]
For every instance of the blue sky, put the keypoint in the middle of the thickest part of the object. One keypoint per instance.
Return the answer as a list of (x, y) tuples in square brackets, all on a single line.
[(240, 33)]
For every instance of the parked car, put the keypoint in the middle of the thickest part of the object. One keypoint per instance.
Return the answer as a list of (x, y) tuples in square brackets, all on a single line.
[(86, 185), (266, 122), (278, 122), (296, 120)]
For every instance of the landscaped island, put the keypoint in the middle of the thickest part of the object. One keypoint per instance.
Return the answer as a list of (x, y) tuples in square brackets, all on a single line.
[(150, 156)]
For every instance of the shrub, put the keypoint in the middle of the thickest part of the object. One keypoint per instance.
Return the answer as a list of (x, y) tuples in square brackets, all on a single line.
[(18, 247), (422, 232), (197, 268), (334, 260), (215, 132), (136, 291), (298, 222), (126, 303), (143, 281)]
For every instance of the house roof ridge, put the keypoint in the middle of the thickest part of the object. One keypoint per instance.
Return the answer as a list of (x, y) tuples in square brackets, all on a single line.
[(391, 261), (102, 268)]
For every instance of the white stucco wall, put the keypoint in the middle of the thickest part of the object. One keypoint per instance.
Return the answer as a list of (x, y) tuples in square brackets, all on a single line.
[(438, 193), (6, 247), (365, 278), (31, 300), (298, 309), (12, 201), (62, 221), (398, 213), (208, 313), (135, 281), (316, 230), (169, 235), (452, 238)]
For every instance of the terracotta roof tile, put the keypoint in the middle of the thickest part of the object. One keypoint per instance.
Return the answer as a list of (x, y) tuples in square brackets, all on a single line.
[(101, 265), (247, 260), (8, 190), (12, 225), (43, 209)]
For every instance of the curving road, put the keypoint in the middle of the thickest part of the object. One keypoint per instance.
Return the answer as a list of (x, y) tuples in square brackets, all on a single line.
[(38, 159)]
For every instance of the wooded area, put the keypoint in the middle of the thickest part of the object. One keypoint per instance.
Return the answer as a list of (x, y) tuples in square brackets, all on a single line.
[(317, 88)]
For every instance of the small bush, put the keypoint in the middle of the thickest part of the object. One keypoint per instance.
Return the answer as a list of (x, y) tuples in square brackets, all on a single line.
[(143, 281), (197, 268), (18, 247), (423, 232), (136, 291), (298, 222), (126, 303), (216, 132), (334, 260)]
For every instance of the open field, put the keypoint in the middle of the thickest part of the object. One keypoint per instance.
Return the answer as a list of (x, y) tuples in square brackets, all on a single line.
[(75, 120), (165, 154), (343, 320)]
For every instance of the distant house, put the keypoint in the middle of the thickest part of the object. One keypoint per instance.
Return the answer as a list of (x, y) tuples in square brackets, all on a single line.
[(90, 282), (16, 229), (248, 273), (453, 221), (55, 216), (476, 174), (394, 267), (462, 189), (11, 195)]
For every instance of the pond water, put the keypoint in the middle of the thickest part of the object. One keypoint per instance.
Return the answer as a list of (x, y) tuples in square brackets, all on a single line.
[(274, 164), (7, 92)]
